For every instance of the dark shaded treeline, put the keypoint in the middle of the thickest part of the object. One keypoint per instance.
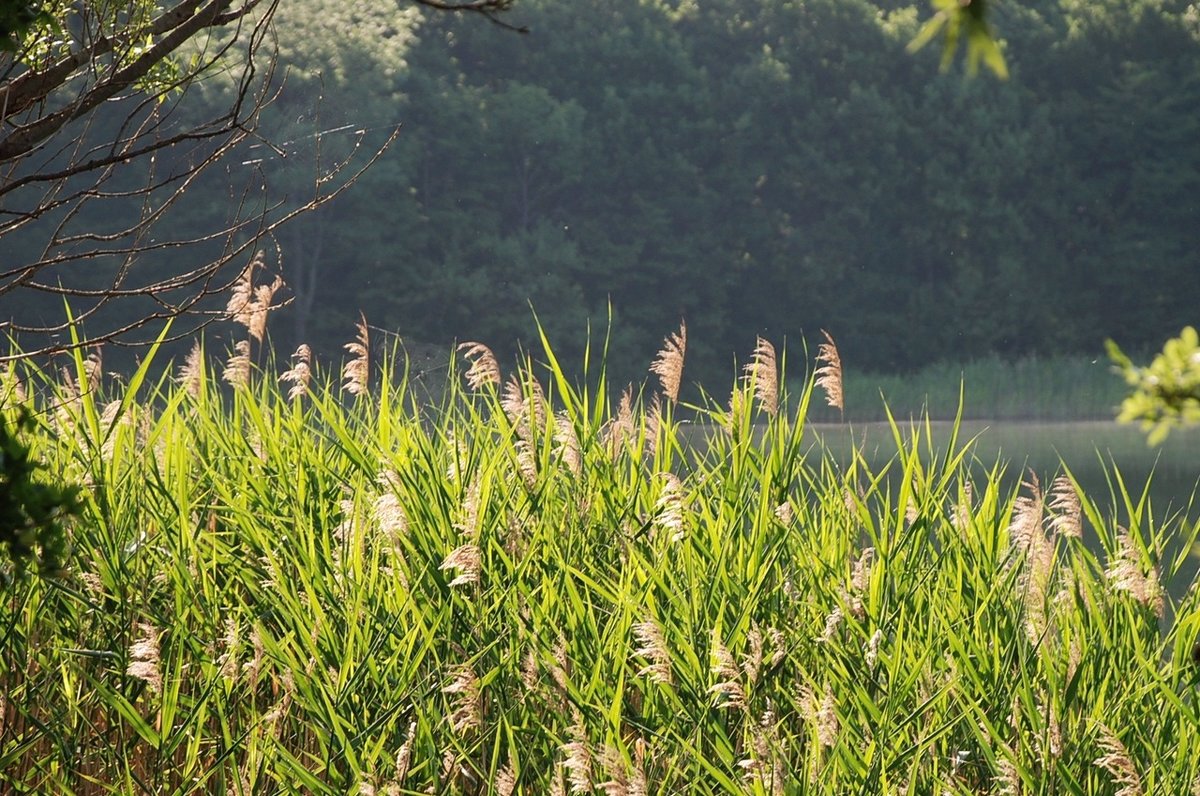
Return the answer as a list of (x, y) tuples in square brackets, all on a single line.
[(756, 166)]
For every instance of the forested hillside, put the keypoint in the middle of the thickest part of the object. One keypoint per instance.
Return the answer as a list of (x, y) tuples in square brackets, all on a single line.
[(753, 166)]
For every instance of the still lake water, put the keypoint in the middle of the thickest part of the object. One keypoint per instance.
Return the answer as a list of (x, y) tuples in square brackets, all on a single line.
[(1090, 450)]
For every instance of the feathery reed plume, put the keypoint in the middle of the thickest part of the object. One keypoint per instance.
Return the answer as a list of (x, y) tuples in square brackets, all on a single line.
[(832, 622), (231, 645), (871, 648), (763, 373), (668, 365), (578, 762), (1117, 763), (729, 692), (1067, 508), (568, 443), (404, 756), (785, 513), (620, 427), (612, 762), (506, 780), (240, 308), (190, 373), (260, 307), (237, 367), (526, 464), (513, 400), (389, 516), (764, 767), (624, 779), (524, 403), (466, 560), (468, 702), (1025, 532), (829, 375), (300, 373), (144, 658), (860, 575), (822, 712), (356, 373), (753, 659), (93, 367), (654, 649), (669, 508), (1008, 778), (1027, 538), (1126, 574), (484, 368)]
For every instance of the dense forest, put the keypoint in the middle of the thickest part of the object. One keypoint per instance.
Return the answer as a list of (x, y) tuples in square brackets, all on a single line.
[(754, 166)]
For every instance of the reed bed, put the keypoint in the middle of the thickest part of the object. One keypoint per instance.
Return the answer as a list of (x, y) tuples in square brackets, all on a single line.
[(316, 586), (1057, 387)]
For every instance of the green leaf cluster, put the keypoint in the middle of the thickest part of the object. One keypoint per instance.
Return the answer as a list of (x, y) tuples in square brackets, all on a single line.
[(18, 18), (1166, 393), (31, 510)]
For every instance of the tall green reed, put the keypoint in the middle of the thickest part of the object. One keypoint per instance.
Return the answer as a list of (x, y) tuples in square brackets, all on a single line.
[(537, 585)]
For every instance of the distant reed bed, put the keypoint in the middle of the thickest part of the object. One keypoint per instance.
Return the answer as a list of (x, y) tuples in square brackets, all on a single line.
[(1051, 388), (290, 580)]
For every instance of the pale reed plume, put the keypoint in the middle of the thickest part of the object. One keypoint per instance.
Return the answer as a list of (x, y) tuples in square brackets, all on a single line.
[(763, 373), (506, 780), (93, 367), (624, 779), (404, 756), (356, 373), (668, 366), (1118, 764), (1025, 534), (833, 621), (1126, 574), (619, 428), (1067, 508), (240, 308), (763, 767), (1008, 778), (578, 762), (144, 658), (237, 367), (829, 374), (860, 575), (468, 701), (1029, 543), (191, 372), (728, 692), (466, 560), (669, 513), (390, 519), (300, 373), (871, 648), (567, 443), (654, 649), (261, 307), (822, 712), (513, 399), (524, 403), (753, 659), (527, 464), (484, 369)]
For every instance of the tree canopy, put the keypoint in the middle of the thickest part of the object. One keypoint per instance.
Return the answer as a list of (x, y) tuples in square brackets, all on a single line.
[(770, 166)]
